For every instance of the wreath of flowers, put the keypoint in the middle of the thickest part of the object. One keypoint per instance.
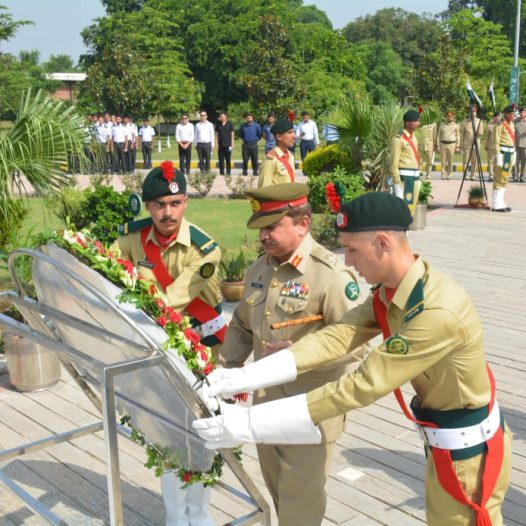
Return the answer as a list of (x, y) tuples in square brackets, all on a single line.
[(181, 337)]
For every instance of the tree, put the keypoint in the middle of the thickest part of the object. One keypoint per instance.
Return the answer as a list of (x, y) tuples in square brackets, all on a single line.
[(59, 64), (8, 26), (410, 35)]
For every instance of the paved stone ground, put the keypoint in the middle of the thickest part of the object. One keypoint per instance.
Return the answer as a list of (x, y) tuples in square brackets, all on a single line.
[(377, 475)]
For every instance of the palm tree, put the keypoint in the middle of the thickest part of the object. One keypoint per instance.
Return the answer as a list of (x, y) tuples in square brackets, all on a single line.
[(366, 131), (45, 134)]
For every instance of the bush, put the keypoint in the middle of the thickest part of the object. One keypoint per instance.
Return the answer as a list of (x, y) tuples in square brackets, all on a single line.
[(326, 159), (202, 182), (353, 185), (13, 223), (425, 193), (324, 231), (69, 203), (239, 185), (104, 210)]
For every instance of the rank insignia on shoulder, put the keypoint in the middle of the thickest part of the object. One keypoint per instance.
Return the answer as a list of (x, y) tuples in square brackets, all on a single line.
[(296, 260), (207, 270), (352, 290), (145, 263), (396, 345), (295, 289)]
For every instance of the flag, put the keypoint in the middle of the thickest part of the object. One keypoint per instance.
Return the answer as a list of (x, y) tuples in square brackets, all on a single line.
[(491, 94), (473, 97)]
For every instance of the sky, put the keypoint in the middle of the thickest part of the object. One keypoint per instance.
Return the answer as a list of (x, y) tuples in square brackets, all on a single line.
[(58, 23)]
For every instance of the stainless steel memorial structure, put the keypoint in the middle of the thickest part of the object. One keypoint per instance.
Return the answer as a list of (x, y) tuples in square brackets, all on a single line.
[(113, 351)]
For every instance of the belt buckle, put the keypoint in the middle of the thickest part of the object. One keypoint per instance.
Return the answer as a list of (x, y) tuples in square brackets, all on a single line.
[(423, 434)]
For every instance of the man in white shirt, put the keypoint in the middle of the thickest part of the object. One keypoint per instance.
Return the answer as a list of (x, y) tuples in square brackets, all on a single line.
[(133, 144), (307, 133), (128, 130), (204, 141), (184, 135), (146, 134), (119, 145), (102, 138)]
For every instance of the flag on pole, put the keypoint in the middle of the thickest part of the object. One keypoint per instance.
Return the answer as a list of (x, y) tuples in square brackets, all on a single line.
[(491, 94), (473, 97)]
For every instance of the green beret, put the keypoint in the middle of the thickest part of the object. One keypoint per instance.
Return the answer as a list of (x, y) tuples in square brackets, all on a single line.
[(271, 203), (374, 211), (281, 126), (411, 116), (164, 180), (509, 109)]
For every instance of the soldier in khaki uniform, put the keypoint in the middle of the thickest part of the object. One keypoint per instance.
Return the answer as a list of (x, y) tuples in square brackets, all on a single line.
[(432, 338), (182, 261), (448, 141), (504, 158), (278, 166), (490, 144), (429, 132), (405, 160), (470, 130), (296, 287), (520, 147)]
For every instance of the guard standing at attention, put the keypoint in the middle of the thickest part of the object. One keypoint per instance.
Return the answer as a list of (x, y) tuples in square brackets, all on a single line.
[(429, 132), (182, 261), (504, 158), (490, 144), (278, 166), (405, 160), (448, 141), (295, 288), (471, 129), (432, 337)]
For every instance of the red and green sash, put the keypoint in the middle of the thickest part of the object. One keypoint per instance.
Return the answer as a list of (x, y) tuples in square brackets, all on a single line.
[(444, 466), (284, 160), (197, 308), (412, 144)]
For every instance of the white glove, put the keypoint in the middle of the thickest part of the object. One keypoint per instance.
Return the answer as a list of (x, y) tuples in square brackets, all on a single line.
[(209, 400), (397, 190), (285, 421), (278, 368)]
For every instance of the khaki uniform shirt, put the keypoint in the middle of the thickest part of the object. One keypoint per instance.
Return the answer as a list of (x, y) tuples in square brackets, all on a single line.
[(436, 343), (520, 133), (313, 281), (429, 132), (402, 154), (503, 136), (468, 133), (490, 137), (448, 132), (272, 170), (185, 263)]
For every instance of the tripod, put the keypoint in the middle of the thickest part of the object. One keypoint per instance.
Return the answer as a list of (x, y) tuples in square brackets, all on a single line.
[(474, 152)]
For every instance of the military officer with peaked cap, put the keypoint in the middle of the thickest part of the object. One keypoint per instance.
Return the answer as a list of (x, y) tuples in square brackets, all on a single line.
[(278, 166), (296, 287), (432, 337), (182, 261), (405, 160)]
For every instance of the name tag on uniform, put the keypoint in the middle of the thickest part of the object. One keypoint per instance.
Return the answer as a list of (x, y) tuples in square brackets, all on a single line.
[(145, 263)]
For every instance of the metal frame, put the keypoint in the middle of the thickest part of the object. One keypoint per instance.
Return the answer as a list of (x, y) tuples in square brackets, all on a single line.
[(33, 311)]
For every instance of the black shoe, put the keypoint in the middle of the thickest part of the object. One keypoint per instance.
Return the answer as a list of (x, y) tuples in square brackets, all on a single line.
[(508, 209), (499, 210)]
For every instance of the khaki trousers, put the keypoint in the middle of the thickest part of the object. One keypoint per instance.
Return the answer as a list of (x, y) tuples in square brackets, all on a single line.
[(491, 163), (465, 156), (428, 157), (295, 477), (444, 510), (447, 152)]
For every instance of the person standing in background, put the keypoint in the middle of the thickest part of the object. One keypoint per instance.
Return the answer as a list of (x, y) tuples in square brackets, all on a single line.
[(204, 140), (307, 133), (490, 144), (448, 141), (146, 134), (430, 136), (250, 133), (270, 141), (520, 146), (184, 135), (225, 143)]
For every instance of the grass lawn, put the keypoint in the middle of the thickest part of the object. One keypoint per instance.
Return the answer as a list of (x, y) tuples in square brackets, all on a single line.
[(223, 219)]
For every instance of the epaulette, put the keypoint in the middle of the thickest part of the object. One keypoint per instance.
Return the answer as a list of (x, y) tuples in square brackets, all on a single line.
[(204, 243), (325, 256), (415, 302), (133, 226)]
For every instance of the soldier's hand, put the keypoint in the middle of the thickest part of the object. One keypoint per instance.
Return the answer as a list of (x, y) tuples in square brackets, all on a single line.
[(272, 347)]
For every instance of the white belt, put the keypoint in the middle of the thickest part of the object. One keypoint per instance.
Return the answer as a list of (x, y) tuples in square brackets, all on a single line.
[(462, 437), (409, 172), (506, 149), (210, 327)]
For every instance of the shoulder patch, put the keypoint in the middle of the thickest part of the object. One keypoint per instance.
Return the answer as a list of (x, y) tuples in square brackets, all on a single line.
[(204, 243), (207, 270), (396, 345), (415, 303), (352, 290), (134, 226)]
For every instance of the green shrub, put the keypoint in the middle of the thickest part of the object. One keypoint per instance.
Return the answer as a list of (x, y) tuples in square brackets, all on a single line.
[(425, 193), (202, 182), (11, 224), (353, 184), (326, 159), (104, 210), (323, 230), (69, 203)]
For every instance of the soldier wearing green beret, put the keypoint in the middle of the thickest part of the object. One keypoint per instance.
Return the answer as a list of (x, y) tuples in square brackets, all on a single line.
[(182, 261), (296, 287), (504, 141), (278, 166), (405, 160), (432, 337)]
